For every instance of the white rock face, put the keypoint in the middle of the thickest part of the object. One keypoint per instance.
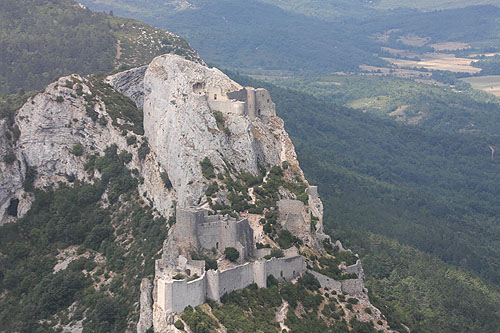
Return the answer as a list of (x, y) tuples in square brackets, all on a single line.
[(51, 123), (182, 130), (11, 174), (146, 304)]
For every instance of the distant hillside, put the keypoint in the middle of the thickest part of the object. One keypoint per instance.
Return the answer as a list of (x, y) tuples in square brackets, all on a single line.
[(44, 39), (299, 38), (339, 8), (252, 36)]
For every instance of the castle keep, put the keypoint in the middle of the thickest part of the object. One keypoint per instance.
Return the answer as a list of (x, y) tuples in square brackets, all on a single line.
[(248, 101)]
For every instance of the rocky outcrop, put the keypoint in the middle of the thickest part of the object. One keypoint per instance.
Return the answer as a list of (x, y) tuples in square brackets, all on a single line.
[(12, 172), (191, 113), (146, 306), (182, 129)]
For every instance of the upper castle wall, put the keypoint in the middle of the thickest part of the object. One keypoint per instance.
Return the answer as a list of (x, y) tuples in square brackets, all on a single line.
[(247, 101)]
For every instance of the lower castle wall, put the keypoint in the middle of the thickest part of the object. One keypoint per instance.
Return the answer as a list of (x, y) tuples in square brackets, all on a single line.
[(327, 282), (175, 295), (235, 278), (187, 293), (285, 268)]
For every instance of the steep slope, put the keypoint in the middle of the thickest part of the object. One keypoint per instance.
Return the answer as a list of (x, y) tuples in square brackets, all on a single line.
[(92, 182)]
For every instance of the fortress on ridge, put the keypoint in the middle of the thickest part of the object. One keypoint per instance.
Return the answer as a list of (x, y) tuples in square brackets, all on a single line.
[(254, 103), (181, 282), (197, 231)]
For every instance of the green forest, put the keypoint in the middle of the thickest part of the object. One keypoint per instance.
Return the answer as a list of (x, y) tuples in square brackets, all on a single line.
[(417, 198)]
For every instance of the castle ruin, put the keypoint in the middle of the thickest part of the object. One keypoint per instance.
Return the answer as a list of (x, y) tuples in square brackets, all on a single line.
[(248, 101)]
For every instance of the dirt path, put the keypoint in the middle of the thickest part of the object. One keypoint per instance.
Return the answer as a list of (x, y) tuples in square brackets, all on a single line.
[(118, 50), (281, 316)]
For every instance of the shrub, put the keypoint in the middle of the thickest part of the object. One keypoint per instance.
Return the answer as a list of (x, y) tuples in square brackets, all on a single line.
[(166, 181), (143, 151), (29, 179), (271, 281), (207, 168), (287, 239), (212, 189), (310, 282), (131, 140), (9, 158), (231, 254), (268, 228), (179, 325), (353, 300), (277, 253), (102, 121), (77, 149), (210, 264), (178, 276), (59, 99), (368, 310)]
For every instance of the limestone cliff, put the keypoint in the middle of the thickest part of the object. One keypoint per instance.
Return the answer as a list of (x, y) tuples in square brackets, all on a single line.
[(197, 141)]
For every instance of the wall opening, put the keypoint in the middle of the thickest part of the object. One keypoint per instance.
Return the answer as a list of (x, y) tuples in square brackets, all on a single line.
[(258, 112), (281, 273), (198, 87), (12, 209), (217, 245), (215, 97), (268, 100)]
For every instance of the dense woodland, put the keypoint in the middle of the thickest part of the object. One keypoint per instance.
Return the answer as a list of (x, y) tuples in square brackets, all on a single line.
[(43, 40), (445, 108)]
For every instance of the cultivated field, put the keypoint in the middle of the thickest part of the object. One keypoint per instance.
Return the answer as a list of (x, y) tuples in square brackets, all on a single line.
[(438, 61), (489, 83)]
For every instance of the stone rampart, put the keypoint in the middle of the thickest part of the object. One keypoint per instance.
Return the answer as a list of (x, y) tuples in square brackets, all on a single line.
[(327, 282), (175, 295), (353, 287)]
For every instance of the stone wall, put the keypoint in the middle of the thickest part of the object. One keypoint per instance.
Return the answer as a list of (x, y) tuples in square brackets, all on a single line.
[(285, 268), (353, 287), (235, 278), (327, 282), (175, 295), (348, 287)]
